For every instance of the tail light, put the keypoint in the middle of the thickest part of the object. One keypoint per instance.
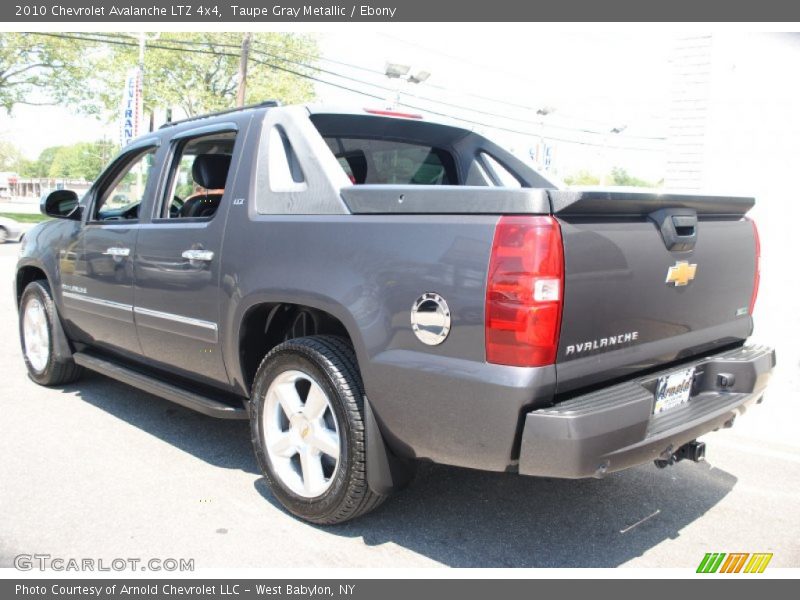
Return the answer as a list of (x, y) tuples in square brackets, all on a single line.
[(757, 278), (524, 292)]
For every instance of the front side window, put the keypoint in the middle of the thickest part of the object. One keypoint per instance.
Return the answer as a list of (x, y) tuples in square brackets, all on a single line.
[(198, 177), (121, 197)]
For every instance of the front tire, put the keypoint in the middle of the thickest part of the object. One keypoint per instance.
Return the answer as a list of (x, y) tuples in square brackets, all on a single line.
[(39, 328), (308, 429)]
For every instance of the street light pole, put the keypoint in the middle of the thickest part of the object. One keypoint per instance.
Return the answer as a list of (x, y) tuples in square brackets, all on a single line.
[(606, 171), (402, 74), (542, 113)]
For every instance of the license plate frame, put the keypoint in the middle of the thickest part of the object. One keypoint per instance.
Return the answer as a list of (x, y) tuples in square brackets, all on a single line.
[(673, 390)]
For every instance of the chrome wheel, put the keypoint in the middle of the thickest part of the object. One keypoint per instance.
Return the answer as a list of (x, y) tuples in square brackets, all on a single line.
[(301, 433), (36, 335)]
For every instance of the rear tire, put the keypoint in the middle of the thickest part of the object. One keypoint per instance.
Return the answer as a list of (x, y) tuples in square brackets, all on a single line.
[(307, 398), (39, 328)]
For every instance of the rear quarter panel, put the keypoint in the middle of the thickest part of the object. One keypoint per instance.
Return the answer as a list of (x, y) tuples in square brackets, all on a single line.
[(440, 402)]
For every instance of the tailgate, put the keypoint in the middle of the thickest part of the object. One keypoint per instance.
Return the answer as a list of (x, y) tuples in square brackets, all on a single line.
[(650, 279)]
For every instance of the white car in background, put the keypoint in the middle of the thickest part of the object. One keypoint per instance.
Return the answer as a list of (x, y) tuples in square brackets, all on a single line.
[(10, 230)]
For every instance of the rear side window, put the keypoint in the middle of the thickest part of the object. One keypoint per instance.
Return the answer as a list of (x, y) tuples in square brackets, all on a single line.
[(501, 175), (392, 162), (285, 173)]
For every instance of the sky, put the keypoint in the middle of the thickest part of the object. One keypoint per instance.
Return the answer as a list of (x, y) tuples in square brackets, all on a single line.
[(592, 81)]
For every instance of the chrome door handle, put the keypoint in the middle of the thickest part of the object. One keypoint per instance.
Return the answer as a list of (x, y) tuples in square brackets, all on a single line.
[(205, 255), (115, 251)]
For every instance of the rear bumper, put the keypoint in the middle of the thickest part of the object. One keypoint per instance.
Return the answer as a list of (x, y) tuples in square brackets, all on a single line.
[(13, 233), (614, 428)]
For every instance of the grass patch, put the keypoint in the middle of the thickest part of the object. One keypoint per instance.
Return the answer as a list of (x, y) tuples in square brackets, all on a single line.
[(25, 217)]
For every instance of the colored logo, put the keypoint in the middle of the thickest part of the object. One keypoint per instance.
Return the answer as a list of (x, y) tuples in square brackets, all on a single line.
[(681, 273), (734, 562)]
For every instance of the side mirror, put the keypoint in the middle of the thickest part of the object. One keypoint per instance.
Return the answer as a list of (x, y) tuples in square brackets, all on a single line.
[(61, 204)]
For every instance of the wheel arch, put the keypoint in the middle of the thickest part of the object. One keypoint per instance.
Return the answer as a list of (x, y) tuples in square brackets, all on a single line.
[(265, 322), (27, 273)]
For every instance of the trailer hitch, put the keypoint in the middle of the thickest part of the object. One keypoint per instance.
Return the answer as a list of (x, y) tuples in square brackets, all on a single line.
[(694, 451)]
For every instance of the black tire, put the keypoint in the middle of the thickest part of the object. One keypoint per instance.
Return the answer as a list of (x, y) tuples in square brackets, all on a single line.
[(58, 370), (332, 363)]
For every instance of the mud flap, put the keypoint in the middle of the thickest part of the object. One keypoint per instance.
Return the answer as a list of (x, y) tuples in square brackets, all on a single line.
[(386, 473), (61, 347)]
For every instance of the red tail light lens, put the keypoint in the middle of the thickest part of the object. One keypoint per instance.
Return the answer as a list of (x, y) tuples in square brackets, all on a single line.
[(524, 292), (757, 279)]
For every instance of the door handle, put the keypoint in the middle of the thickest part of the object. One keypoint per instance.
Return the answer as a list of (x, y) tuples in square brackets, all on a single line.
[(205, 255), (116, 251)]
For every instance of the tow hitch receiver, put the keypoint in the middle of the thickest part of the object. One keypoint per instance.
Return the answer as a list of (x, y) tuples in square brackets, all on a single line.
[(694, 451)]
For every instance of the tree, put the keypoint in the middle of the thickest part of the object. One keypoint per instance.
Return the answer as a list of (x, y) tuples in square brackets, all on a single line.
[(582, 177), (198, 72), (39, 70), (83, 160), (194, 71), (41, 166), (10, 157), (620, 176)]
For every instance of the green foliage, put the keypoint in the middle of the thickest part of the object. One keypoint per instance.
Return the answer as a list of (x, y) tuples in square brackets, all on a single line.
[(10, 157), (25, 217), (620, 176), (582, 177), (202, 75), (198, 73), (41, 166), (83, 160), (39, 70)]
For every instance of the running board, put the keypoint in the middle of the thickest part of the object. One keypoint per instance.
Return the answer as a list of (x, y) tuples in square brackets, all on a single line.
[(202, 404)]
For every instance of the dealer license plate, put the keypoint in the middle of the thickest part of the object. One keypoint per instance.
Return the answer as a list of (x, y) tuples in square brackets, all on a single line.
[(673, 390)]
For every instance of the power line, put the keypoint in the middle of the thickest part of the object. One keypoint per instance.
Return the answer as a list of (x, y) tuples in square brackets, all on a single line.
[(349, 89), (389, 89)]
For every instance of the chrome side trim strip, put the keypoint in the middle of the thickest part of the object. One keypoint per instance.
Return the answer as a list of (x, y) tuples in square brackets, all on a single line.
[(98, 301), (173, 317)]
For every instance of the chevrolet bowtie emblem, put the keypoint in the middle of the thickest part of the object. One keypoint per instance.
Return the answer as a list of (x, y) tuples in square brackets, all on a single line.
[(681, 273)]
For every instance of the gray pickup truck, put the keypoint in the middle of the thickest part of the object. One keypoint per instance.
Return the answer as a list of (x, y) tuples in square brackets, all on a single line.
[(371, 289)]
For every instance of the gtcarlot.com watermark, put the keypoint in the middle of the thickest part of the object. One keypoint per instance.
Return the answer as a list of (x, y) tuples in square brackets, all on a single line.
[(44, 562)]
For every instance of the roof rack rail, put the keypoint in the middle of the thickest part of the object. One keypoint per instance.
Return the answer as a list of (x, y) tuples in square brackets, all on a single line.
[(265, 104)]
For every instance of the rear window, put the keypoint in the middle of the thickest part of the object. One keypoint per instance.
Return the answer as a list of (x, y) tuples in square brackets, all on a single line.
[(392, 162)]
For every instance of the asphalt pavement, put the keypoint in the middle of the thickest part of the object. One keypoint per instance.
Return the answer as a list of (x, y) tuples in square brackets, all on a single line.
[(98, 469)]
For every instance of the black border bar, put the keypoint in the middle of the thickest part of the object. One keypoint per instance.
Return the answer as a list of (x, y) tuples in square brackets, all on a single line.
[(489, 11)]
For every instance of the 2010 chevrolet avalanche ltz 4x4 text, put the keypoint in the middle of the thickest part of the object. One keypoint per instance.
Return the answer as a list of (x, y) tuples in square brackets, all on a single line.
[(372, 289)]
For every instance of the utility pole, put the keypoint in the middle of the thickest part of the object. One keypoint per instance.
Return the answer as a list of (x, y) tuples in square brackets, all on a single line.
[(142, 42), (243, 69)]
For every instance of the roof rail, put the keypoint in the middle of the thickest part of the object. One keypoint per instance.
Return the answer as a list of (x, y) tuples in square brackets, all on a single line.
[(265, 104)]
